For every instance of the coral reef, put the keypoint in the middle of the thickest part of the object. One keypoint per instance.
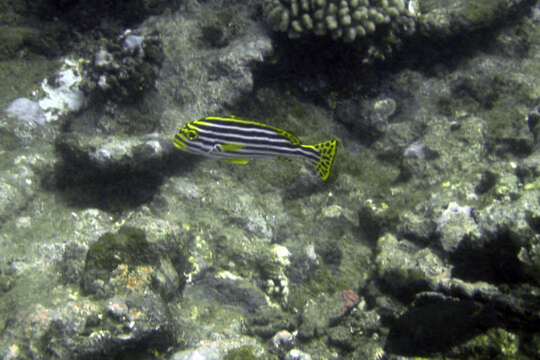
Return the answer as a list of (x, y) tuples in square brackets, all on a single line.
[(425, 244), (376, 28), (347, 20)]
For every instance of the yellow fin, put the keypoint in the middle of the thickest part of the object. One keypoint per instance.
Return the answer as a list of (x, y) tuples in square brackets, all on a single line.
[(231, 147), (238, 161), (327, 151)]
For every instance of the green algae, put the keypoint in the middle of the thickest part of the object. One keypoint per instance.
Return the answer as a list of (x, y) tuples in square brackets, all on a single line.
[(481, 12), (128, 246), (322, 280), (241, 353), (495, 343)]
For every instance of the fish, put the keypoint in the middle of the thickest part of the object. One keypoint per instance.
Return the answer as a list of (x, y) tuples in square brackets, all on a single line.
[(238, 140)]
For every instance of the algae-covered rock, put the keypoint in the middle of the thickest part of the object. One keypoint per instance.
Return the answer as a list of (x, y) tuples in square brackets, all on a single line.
[(325, 311), (455, 225), (406, 269), (125, 262), (128, 246), (269, 320), (229, 289), (449, 164), (367, 119), (452, 17), (496, 342), (198, 68), (122, 69), (242, 353), (7, 278), (76, 326)]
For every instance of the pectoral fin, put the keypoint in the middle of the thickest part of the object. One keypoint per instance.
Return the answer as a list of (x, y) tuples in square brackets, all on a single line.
[(231, 147)]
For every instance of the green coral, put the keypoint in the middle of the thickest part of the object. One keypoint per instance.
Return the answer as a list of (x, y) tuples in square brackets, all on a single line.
[(347, 20)]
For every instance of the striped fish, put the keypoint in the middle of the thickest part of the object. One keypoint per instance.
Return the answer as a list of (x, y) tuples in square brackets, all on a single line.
[(237, 140)]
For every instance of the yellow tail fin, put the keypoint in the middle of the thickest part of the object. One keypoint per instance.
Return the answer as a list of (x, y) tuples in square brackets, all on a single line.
[(327, 150)]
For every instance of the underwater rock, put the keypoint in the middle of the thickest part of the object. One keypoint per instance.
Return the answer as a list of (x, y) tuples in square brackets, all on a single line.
[(71, 266), (26, 110), (237, 215), (113, 153), (128, 247), (203, 78), (456, 224), (122, 69), (282, 341), (515, 223), (500, 341), (26, 122), (130, 274), (8, 277), (416, 227), (232, 291), (268, 320), (79, 327), (11, 199), (226, 348), (533, 120), (297, 354), (20, 181), (507, 101), (325, 311), (449, 18), (416, 150), (126, 262), (63, 94), (406, 269), (368, 120)]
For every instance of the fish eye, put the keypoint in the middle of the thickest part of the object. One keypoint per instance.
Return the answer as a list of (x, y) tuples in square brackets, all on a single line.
[(190, 133)]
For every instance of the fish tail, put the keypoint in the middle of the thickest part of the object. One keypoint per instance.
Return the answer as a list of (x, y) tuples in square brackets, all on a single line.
[(327, 152)]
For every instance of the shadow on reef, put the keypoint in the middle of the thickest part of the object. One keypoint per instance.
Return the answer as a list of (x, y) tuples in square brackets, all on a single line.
[(85, 15), (110, 191), (436, 326), (84, 182), (496, 262)]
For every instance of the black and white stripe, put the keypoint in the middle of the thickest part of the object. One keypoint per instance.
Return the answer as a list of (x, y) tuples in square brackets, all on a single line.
[(257, 140)]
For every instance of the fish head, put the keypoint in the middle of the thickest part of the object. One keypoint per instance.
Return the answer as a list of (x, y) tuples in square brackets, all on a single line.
[(185, 136)]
